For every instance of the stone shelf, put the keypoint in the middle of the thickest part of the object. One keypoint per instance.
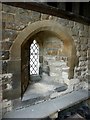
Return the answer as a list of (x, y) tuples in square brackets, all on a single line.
[(49, 107)]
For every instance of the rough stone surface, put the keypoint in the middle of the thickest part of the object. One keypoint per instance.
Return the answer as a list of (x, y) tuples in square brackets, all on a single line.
[(5, 55), (44, 17), (6, 45), (4, 67), (9, 35), (14, 20), (6, 106), (8, 9)]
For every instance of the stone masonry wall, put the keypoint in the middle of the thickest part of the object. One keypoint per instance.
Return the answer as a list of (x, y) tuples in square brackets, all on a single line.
[(56, 59), (14, 20), (88, 56)]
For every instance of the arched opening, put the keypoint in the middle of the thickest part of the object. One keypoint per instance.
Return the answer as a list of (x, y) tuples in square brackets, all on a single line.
[(48, 65), (48, 35), (34, 58)]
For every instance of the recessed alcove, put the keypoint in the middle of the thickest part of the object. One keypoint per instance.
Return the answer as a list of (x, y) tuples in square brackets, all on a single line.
[(46, 64), (55, 62)]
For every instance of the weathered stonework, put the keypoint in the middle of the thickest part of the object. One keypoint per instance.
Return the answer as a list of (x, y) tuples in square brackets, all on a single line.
[(5, 55), (9, 35), (14, 22), (6, 45)]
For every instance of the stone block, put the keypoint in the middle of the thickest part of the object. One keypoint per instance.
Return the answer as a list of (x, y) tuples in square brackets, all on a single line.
[(82, 58), (53, 18), (83, 40), (88, 77), (4, 17), (9, 35), (11, 25), (54, 95), (63, 22), (4, 67), (83, 68), (4, 87), (6, 78), (86, 28), (44, 16), (7, 104), (0, 81), (78, 73), (3, 25), (89, 42), (16, 93), (9, 9), (67, 81), (82, 63), (0, 20), (88, 52), (15, 26), (14, 67), (10, 18), (78, 47), (4, 110), (0, 6), (77, 69), (71, 24), (41, 59), (34, 16), (0, 46), (79, 26), (78, 53), (9, 108), (6, 45), (88, 58), (4, 103), (1, 34), (0, 66), (83, 73), (0, 55), (83, 33), (74, 81), (76, 40), (22, 16), (89, 64), (89, 71), (69, 90), (83, 53), (89, 31), (65, 75), (53, 116), (5, 55), (84, 47), (74, 31), (82, 85), (0, 97)]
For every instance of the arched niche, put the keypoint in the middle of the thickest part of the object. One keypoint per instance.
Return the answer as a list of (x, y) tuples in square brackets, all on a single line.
[(33, 29)]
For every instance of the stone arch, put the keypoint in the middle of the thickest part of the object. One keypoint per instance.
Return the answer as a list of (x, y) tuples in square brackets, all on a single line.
[(36, 27)]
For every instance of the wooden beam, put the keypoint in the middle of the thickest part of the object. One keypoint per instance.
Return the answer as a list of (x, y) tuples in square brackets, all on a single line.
[(46, 9)]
